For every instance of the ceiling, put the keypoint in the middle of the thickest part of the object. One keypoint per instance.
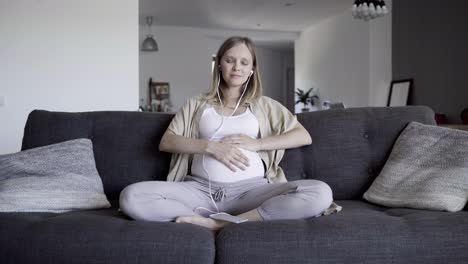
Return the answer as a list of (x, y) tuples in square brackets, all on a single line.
[(287, 16)]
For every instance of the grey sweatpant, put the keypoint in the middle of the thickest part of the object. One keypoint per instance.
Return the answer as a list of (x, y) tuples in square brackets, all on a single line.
[(165, 201)]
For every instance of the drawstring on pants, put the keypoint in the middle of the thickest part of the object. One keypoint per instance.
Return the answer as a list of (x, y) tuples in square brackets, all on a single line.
[(219, 195)]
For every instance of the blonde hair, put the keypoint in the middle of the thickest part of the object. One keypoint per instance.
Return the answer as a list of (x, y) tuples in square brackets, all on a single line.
[(254, 88)]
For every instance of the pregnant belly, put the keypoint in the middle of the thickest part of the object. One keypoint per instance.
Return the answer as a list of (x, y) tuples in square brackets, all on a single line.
[(217, 171)]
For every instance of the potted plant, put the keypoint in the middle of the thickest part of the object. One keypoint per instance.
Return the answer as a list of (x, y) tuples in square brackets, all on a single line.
[(306, 98)]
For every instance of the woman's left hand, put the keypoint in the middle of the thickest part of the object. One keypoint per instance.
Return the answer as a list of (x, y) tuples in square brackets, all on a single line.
[(243, 141)]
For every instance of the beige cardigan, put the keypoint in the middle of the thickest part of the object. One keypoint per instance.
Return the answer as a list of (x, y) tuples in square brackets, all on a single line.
[(274, 119)]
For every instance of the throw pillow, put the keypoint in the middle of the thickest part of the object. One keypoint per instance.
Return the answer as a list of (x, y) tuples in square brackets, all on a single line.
[(54, 178), (427, 169)]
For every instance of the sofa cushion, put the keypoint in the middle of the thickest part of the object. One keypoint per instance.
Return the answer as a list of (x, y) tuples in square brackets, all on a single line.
[(54, 178), (361, 233), (427, 169), (100, 236)]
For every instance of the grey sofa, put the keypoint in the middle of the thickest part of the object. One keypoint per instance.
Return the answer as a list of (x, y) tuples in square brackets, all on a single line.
[(350, 146)]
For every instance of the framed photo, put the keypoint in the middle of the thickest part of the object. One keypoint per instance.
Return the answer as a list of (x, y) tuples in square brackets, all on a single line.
[(162, 90), (399, 92), (159, 96), (159, 90)]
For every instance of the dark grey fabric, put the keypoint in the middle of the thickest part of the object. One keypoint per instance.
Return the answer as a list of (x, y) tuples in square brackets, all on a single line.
[(361, 233), (100, 236), (125, 143), (350, 146)]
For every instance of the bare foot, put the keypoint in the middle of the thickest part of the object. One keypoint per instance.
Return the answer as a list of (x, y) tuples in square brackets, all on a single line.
[(212, 224)]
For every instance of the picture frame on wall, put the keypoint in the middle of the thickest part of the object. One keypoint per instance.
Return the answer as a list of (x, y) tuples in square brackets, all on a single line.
[(399, 92), (159, 90), (159, 96)]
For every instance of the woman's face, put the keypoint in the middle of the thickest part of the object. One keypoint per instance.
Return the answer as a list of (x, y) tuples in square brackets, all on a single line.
[(235, 65)]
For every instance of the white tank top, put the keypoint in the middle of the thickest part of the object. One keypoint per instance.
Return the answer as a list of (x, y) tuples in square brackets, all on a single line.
[(245, 123)]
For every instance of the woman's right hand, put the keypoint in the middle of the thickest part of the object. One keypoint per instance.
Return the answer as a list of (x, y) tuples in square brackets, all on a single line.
[(228, 154)]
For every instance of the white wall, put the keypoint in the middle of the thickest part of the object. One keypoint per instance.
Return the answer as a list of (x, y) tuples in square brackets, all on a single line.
[(380, 59), (184, 60), (348, 60), (65, 56)]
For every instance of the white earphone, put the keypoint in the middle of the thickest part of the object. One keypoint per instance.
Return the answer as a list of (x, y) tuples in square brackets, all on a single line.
[(216, 132)]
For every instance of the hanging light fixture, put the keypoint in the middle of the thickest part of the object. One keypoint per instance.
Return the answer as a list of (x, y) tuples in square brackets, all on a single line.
[(369, 9), (149, 44)]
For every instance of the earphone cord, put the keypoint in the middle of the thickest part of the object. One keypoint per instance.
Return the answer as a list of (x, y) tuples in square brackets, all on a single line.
[(215, 133)]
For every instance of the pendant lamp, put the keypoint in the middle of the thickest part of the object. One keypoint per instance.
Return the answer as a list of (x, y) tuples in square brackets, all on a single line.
[(369, 9), (149, 44)]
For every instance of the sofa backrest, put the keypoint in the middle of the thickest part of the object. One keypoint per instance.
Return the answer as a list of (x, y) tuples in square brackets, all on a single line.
[(125, 143), (350, 146)]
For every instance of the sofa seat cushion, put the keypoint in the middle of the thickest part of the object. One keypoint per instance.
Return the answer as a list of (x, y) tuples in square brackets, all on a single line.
[(360, 233), (100, 236)]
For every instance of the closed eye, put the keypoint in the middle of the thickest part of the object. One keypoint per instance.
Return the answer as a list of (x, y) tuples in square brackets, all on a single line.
[(231, 60)]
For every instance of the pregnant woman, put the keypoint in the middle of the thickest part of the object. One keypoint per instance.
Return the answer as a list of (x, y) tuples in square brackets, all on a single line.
[(227, 145)]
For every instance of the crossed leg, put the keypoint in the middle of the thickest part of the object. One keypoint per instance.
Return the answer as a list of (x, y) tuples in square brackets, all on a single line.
[(178, 201)]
